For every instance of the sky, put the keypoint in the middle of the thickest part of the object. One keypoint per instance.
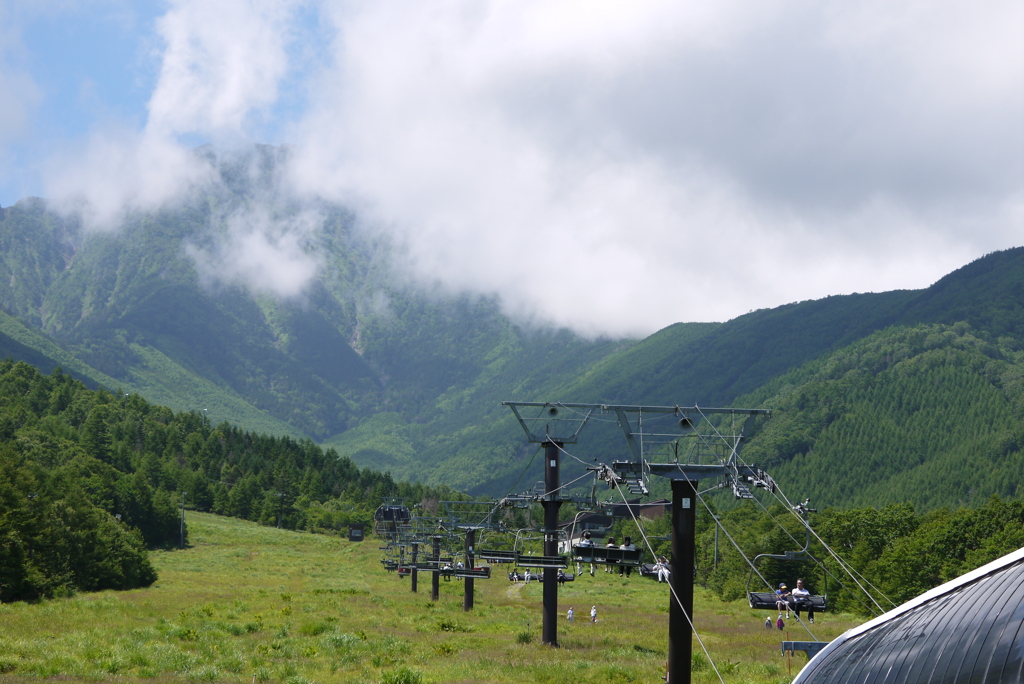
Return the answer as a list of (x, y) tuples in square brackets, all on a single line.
[(612, 167)]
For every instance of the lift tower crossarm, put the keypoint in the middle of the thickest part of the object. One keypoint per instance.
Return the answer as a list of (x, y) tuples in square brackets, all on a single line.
[(549, 414)]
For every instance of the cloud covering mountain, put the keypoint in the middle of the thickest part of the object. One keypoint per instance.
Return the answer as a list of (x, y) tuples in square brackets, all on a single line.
[(605, 166)]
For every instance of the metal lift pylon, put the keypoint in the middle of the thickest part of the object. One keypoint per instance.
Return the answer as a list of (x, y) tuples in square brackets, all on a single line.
[(552, 427), (712, 453)]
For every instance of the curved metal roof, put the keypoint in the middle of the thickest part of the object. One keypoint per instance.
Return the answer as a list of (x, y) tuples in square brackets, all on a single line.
[(968, 630)]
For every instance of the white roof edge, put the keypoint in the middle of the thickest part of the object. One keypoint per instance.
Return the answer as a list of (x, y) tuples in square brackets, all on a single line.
[(966, 578)]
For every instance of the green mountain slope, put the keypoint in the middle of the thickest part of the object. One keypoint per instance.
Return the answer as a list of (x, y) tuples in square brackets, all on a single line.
[(928, 414), (398, 378), (133, 306)]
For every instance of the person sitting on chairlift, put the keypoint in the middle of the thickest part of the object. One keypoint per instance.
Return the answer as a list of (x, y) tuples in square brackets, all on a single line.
[(782, 599), (662, 568), (628, 545), (610, 545), (586, 541), (800, 598)]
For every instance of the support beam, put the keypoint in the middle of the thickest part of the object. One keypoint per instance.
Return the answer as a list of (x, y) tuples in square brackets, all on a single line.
[(435, 579), (551, 504), (467, 597), (684, 518)]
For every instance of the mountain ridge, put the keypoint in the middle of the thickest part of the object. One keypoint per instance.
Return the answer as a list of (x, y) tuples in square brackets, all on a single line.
[(391, 376)]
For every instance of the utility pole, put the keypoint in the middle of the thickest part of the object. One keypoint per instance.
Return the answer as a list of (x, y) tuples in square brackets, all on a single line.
[(712, 439), (182, 520), (715, 518), (32, 509), (413, 571)]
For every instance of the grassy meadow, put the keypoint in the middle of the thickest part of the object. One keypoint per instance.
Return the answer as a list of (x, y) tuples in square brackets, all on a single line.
[(250, 603)]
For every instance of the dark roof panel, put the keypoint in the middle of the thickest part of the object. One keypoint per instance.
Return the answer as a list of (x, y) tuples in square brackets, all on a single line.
[(967, 630)]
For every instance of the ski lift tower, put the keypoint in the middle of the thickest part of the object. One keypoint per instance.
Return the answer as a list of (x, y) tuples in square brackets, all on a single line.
[(694, 444), (685, 444), (552, 426)]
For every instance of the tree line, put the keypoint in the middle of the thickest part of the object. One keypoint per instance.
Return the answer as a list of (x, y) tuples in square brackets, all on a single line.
[(90, 479), (896, 552)]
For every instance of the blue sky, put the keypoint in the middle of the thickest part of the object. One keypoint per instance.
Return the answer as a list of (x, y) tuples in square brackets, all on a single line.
[(664, 160), (86, 67)]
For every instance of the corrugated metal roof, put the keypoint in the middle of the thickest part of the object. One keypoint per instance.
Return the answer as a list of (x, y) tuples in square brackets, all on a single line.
[(970, 630)]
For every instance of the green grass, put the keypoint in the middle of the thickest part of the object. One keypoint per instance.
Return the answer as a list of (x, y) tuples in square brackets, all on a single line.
[(248, 602)]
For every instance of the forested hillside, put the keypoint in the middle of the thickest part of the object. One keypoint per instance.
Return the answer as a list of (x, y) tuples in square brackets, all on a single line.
[(930, 414), (400, 378), (89, 479)]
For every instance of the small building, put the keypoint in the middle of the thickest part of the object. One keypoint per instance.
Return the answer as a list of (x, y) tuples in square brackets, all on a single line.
[(357, 532), (968, 630), (649, 510)]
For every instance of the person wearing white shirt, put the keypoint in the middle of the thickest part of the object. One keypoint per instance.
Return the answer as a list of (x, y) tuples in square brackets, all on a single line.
[(586, 541), (802, 599)]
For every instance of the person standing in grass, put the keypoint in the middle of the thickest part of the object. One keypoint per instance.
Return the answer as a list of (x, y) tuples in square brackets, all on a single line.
[(571, 615), (593, 614)]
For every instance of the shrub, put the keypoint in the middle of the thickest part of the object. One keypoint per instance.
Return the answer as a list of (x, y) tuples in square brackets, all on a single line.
[(315, 628), (449, 625), (402, 675)]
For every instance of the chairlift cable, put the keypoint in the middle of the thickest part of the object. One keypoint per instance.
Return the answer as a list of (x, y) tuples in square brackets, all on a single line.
[(777, 492), (831, 576), (843, 564), (744, 556), (796, 541), (498, 505), (573, 456), (671, 589)]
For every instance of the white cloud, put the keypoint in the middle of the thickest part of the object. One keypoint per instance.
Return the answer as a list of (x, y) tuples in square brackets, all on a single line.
[(264, 253), (610, 166), (119, 171), (222, 63), (616, 167)]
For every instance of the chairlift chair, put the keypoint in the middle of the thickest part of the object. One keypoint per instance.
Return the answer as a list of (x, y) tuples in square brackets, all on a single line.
[(388, 518), (483, 572), (768, 600), (520, 557), (604, 555)]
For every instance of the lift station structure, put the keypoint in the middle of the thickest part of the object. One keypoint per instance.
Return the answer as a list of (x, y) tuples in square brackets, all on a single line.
[(685, 444)]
